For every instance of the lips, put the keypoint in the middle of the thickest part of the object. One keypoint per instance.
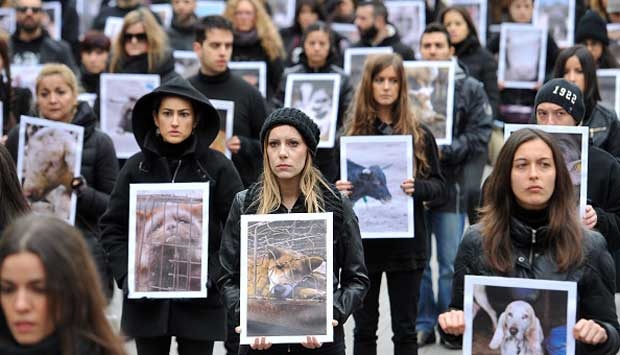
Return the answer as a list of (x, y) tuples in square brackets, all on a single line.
[(534, 188), (23, 327), (283, 166)]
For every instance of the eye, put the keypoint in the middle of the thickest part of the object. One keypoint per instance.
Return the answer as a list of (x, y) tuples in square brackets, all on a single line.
[(273, 144), (7, 288)]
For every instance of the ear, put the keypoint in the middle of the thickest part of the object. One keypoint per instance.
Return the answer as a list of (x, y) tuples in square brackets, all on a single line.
[(274, 253), (315, 261), (197, 47), (498, 337), (534, 333), (155, 119)]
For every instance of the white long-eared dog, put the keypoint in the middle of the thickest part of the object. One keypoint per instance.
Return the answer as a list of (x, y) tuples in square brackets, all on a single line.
[(518, 331)]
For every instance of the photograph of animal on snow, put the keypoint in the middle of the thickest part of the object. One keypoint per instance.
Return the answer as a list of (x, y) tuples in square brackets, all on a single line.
[(532, 319), (286, 277), (49, 157), (376, 166), (168, 240)]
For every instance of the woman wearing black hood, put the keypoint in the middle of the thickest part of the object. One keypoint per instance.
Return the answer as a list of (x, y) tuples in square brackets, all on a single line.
[(174, 126)]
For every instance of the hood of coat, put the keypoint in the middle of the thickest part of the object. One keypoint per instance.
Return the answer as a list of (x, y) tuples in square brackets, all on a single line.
[(85, 117), (208, 117)]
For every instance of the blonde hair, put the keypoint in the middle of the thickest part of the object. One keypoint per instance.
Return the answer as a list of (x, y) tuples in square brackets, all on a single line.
[(67, 76), (155, 36), (267, 32)]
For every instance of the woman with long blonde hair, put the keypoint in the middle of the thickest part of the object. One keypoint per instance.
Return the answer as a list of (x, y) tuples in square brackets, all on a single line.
[(381, 107)]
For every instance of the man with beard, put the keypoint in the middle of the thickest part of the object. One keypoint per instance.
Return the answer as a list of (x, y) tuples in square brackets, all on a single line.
[(371, 19), (181, 31), (122, 8), (31, 44)]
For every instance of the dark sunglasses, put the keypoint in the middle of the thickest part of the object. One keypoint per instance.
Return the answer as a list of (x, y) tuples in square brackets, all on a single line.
[(26, 8), (140, 37)]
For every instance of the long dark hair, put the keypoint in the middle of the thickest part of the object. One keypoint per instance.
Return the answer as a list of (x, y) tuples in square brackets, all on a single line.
[(565, 233), (73, 290), (314, 5), (322, 27), (9, 120), (12, 200), (591, 94), (471, 27)]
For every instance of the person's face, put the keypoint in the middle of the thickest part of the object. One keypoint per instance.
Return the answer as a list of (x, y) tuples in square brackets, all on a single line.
[(595, 47), (95, 61), (215, 51), (456, 26), (573, 72), (548, 113), (55, 99), (614, 17), (136, 40), (346, 8), (175, 119), (385, 87), (184, 8), (287, 152), (316, 48), (364, 18), (29, 14), (521, 11), (245, 17), (307, 17), (434, 46), (24, 299), (532, 177)]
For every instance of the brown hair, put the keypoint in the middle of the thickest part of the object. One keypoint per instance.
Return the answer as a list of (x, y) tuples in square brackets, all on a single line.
[(565, 234), (471, 27), (363, 110), (12, 200)]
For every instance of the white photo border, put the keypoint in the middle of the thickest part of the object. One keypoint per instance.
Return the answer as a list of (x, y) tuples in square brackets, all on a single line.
[(358, 51), (229, 107), (57, 9), (10, 13), (511, 29), (406, 6), (570, 22), (256, 65), (167, 10), (612, 73)]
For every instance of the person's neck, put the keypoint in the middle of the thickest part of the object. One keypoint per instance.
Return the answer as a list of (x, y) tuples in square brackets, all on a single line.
[(28, 36), (289, 191), (385, 115), (316, 65), (211, 73)]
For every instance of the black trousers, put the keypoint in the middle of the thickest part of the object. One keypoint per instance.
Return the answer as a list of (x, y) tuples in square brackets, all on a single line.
[(337, 347), (403, 290), (161, 346)]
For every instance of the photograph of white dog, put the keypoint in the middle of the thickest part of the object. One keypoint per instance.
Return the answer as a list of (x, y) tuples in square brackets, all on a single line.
[(49, 157), (509, 316)]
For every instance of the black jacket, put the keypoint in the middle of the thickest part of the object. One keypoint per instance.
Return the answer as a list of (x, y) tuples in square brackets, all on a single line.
[(201, 319), (249, 115), (139, 65), (350, 276), (604, 129), (42, 50), (393, 40), (181, 36), (595, 276), (20, 103)]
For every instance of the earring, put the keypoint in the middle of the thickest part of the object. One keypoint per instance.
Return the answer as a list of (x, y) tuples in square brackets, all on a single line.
[(157, 132)]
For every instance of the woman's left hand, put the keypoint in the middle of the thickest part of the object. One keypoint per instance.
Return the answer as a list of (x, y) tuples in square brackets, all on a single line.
[(311, 343), (588, 331), (590, 218), (408, 186)]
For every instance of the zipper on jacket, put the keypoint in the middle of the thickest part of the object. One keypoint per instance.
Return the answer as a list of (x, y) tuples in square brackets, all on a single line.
[(176, 171), (532, 247)]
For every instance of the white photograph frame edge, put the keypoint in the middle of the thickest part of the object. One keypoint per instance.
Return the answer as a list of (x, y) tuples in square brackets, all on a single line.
[(421, 11), (10, 12), (229, 107), (262, 72), (512, 28), (613, 73), (57, 7), (570, 29), (356, 51), (167, 9)]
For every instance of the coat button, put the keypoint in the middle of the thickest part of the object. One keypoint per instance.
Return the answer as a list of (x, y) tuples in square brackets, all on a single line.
[(521, 259)]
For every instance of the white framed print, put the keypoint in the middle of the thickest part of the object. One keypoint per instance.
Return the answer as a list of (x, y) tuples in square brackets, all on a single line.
[(7, 19), (25, 76), (113, 26), (506, 315), (609, 88), (317, 95), (52, 18), (559, 17), (254, 73), (409, 18), (376, 166), (226, 111), (119, 93), (282, 12), (613, 32), (573, 142), (349, 32), (286, 290), (354, 59), (477, 9), (186, 63), (522, 55), (165, 13), (431, 92), (87, 11), (168, 240), (49, 156)]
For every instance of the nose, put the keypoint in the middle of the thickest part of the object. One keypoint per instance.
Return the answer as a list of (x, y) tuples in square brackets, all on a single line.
[(175, 120), (283, 151), (22, 301), (533, 172), (513, 331)]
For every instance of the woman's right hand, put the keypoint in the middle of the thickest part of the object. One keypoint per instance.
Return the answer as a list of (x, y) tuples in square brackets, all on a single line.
[(259, 343), (344, 186), (452, 322)]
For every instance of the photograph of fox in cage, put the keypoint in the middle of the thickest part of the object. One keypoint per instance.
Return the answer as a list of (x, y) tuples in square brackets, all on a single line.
[(287, 278), (169, 241)]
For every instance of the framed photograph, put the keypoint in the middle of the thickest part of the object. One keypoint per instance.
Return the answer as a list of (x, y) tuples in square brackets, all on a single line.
[(282, 12), (210, 7), (52, 18), (431, 90), (113, 26), (409, 18), (609, 87), (613, 32), (7, 19), (518, 316), (573, 141), (477, 9), (255, 73), (286, 277), (354, 59), (90, 98), (186, 63), (49, 156), (559, 17), (317, 95), (165, 13), (25, 76), (87, 11), (168, 240), (226, 110), (349, 33), (376, 166), (119, 93), (522, 55)]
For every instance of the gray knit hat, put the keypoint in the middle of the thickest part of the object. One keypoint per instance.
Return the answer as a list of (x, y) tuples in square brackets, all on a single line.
[(563, 93), (306, 127)]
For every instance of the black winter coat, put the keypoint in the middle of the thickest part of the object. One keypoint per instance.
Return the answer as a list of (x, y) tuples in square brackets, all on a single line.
[(595, 276), (201, 319), (47, 50), (115, 11), (139, 65), (604, 129), (393, 41)]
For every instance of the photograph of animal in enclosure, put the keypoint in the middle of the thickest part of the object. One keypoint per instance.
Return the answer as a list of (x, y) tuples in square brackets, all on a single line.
[(431, 90), (226, 111), (522, 56), (119, 94), (49, 156), (609, 88), (286, 277), (559, 17), (409, 18), (186, 63), (254, 73), (376, 166), (354, 59), (52, 18), (534, 318), (573, 142), (7, 19), (477, 9), (317, 95), (168, 240), (282, 12), (613, 32)]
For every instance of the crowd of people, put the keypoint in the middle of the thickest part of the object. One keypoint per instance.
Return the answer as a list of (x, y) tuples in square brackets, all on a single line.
[(56, 279)]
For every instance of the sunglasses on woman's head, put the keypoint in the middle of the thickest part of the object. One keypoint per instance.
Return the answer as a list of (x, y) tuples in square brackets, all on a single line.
[(140, 37)]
